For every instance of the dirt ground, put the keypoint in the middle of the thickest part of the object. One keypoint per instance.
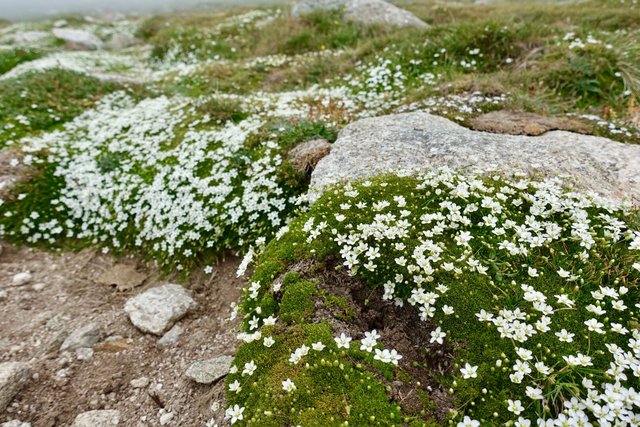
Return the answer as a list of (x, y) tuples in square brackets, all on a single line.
[(67, 291)]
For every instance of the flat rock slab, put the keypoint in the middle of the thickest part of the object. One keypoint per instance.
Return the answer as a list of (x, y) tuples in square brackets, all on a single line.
[(13, 376), (80, 38), (366, 12), (413, 142), (103, 418), (157, 309), (209, 371), (523, 123)]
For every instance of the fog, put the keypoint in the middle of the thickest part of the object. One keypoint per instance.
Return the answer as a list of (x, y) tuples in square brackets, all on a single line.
[(28, 9)]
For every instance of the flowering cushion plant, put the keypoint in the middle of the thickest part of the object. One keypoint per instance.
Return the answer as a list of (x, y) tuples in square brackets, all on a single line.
[(531, 287)]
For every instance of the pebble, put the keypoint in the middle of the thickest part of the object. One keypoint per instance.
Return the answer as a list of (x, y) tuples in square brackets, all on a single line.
[(21, 278), (209, 371), (166, 418), (141, 382), (172, 336), (84, 353)]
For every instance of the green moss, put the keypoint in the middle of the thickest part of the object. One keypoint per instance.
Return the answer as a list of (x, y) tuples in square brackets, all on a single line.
[(297, 302), (472, 342), (344, 311)]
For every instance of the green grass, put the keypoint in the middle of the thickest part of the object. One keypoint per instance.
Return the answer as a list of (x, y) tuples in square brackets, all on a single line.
[(42, 100), (10, 58)]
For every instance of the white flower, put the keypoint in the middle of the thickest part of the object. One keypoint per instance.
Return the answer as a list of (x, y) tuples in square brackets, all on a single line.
[(235, 413), (387, 356), (515, 406), (468, 422), (533, 273), (446, 309), (235, 386), (534, 393), (437, 336), (249, 368), (270, 321), (288, 385), (636, 265), (595, 326), (469, 371), (268, 341), (565, 336), (318, 346), (343, 341)]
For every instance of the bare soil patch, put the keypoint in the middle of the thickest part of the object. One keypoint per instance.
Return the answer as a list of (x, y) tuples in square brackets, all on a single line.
[(68, 290)]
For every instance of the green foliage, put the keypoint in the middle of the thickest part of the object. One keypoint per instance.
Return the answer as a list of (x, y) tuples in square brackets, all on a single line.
[(474, 342), (9, 58), (297, 301), (41, 100)]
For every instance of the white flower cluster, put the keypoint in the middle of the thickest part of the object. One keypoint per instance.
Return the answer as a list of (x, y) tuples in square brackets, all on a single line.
[(180, 183), (413, 246)]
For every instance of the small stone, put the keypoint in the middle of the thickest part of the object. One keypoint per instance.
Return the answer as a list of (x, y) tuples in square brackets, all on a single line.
[(84, 353), (103, 418), (209, 371), (305, 156), (166, 418), (3, 295), (141, 382), (157, 309), (21, 278), (85, 336), (15, 423), (38, 287), (172, 335), (13, 376)]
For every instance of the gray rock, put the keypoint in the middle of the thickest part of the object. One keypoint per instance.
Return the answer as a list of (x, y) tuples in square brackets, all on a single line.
[(411, 142), (367, 12), (83, 337), (15, 423), (209, 371), (82, 39), (120, 41), (172, 335), (103, 418), (13, 376), (157, 309)]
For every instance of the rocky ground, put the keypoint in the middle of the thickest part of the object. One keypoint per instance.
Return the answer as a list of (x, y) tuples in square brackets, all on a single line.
[(63, 317)]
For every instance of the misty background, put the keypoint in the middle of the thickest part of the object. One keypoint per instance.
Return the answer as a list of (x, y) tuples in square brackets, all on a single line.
[(29, 9)]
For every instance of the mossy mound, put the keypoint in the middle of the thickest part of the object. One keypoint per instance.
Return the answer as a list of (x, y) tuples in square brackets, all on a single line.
[(524, 295)]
